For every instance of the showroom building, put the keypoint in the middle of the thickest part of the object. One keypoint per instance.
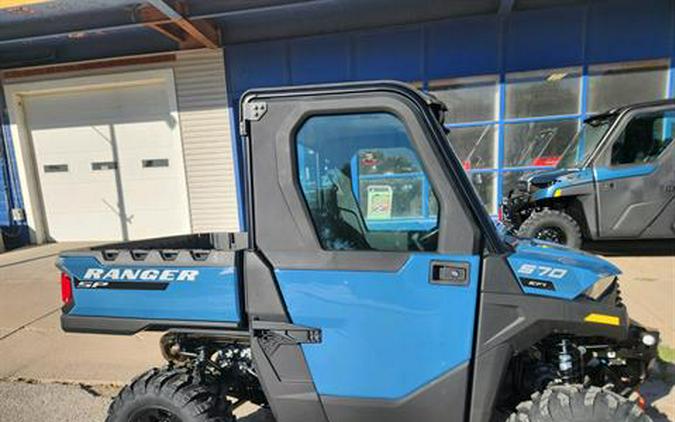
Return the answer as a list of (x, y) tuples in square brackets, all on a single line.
[(133, 135)]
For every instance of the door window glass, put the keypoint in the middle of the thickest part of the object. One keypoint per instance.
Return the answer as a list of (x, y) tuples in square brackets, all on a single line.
[(644, 138), (364, 185)]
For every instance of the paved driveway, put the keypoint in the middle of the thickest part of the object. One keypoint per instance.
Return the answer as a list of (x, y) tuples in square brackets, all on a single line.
[(33, 347)]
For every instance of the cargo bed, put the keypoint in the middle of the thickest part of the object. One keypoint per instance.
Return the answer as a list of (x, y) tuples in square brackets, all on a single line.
[(155, 284)]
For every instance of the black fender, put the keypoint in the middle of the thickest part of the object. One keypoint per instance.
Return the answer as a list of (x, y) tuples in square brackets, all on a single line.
[(510, 321)]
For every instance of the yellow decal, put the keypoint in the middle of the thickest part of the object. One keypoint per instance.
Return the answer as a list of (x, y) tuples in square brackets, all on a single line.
[(603, 319), (7, 4), (557, 193)]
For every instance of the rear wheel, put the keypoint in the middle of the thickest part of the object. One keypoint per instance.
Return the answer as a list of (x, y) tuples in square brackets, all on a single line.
[(552, 226), (168, 395), (575, 403)]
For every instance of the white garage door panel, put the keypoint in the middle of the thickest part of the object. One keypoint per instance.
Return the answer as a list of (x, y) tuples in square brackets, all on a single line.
[(103, 136)]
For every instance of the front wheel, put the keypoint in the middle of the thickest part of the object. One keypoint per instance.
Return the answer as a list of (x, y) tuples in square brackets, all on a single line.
[(552, 226), (167, 395), (575, 403)]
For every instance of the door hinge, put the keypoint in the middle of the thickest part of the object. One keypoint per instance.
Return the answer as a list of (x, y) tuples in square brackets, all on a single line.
[(254, 110)]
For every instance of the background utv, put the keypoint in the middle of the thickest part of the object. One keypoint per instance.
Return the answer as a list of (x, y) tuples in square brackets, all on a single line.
[(334, 307), (616, 180)]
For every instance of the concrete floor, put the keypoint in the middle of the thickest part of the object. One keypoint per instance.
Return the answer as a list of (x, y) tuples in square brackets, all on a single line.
[(55, 402), (34, 349)]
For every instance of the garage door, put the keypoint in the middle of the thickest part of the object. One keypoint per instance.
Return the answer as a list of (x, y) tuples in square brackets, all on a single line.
[(109, 162)]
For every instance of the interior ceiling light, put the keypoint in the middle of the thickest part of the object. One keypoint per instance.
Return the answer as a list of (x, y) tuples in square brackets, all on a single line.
[(9, 4), (554, 77)]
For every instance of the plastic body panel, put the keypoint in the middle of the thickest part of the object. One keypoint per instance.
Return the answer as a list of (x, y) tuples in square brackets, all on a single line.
[(566, 272), (631, 198), (510, 321), (154, 290), (374, 321)]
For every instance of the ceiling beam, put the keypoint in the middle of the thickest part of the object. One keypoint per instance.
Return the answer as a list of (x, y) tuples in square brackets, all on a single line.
[(171, 22)]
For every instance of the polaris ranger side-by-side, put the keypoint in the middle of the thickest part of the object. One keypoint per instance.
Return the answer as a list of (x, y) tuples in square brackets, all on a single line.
[(615, 181), (336, 305)]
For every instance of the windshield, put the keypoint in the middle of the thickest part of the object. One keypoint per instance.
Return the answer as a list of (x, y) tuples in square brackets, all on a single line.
[(585, 141)]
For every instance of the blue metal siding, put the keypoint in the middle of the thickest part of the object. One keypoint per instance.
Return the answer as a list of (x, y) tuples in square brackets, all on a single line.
[(629, 30), (461, 47), (614, 31), (389, 54), (257, 65), (542, 39), (320, 59)]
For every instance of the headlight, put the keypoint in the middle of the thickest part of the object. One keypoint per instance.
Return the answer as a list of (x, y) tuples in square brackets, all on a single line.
[(600, 287)]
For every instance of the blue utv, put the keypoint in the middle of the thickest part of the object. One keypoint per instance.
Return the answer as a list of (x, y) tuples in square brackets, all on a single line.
[(615, 181), (370, 285)]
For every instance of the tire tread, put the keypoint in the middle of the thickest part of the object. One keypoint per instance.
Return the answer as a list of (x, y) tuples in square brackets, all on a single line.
[(575, 403), (173, 385)]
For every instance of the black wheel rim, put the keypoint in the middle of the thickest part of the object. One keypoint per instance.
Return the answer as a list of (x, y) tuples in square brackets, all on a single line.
[(551, 234), (154, 414)]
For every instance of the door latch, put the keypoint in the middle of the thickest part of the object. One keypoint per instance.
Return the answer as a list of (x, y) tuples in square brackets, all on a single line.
[(449, 273), (607, 186), (273, 335)]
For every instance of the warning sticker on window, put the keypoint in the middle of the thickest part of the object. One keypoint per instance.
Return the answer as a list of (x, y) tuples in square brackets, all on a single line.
[(380, 199)]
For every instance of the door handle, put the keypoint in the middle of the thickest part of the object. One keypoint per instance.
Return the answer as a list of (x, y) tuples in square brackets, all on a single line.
[(607, 186), (449, 273)]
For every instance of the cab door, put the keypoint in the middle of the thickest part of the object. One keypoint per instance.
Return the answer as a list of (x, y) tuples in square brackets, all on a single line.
[(636, 178), (389, 277)]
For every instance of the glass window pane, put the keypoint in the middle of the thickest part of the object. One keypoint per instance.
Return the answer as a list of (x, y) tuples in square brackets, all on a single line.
[(646, 136), (406, 191), (486, 188), (363, 184), (543, 93), (387, 161), (612, 86), (537, 143), (476, 146), (468, 100)]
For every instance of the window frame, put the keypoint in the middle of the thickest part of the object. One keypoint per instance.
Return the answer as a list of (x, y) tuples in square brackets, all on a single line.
[(627, 67), (604, 155), (459, 230), (427, 184)]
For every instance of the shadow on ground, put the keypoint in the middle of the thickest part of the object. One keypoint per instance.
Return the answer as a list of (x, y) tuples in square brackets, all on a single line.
[(661, 383), (261, 415), (632, 248)]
